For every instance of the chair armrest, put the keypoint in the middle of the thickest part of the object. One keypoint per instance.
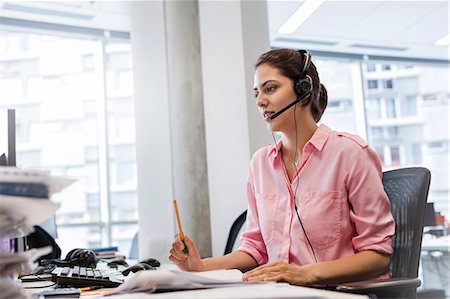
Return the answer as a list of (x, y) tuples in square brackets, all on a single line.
[(379, 285)]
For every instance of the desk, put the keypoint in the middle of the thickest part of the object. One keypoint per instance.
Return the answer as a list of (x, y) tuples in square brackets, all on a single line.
[(267, 290), (435, 264), (270, 290)]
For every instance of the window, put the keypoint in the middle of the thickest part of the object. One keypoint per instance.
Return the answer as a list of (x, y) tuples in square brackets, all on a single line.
[(390, 108), (416, 149), (410, 106), (380, 152), (388, 84), (51, 82), (395, 155), (377, 132), (412, 90), (373, 107), (372, 84), (386, 67), (371, 67), (392, 132)]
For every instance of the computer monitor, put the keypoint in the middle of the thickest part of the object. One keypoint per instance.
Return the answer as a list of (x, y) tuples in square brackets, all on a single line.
[(7, 137), (430, 215)]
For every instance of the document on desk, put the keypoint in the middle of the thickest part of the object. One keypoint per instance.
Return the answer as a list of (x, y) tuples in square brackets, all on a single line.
[(165, 280)]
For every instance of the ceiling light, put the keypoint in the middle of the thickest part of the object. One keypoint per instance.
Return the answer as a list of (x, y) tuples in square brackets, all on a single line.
[(300, 16), (443, 41)]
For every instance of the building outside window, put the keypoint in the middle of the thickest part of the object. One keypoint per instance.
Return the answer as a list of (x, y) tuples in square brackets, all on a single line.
[(372, 84), (75, 117)]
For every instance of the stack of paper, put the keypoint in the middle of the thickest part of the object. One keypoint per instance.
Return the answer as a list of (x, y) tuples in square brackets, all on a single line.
[(24, 202), (170, 280), (24, 199)]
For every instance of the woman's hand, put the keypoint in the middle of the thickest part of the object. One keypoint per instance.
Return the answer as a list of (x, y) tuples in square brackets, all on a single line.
[(189, 261), (281, 271)]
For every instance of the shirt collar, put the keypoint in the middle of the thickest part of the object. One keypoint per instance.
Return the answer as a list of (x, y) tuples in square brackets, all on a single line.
[(320, 137), (318, 140)]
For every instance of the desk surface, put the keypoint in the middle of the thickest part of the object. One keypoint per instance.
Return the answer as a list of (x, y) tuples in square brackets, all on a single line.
[(270, 290), (440, 244)]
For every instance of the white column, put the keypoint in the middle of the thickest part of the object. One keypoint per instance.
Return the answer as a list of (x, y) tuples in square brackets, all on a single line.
[(233, 34), (153, 145), (189, 169)]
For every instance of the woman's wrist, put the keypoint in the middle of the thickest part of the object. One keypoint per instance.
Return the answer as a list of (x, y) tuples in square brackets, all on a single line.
[(313, 273)]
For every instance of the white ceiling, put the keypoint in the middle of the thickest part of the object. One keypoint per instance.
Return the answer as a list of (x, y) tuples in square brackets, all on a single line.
[(390, 28), (387, 28)]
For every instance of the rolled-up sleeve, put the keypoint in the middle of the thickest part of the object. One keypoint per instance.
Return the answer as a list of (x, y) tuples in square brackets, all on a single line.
[(252, 241), (370, 207)]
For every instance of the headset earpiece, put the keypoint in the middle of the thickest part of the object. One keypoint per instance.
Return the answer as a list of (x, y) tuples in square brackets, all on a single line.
[(304, 85)]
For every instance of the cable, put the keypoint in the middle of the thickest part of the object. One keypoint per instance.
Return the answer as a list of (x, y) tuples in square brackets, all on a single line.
[(295, 162)]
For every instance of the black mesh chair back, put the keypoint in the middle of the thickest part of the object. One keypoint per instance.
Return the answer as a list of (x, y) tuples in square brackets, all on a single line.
[(234, 231), (407, 190)]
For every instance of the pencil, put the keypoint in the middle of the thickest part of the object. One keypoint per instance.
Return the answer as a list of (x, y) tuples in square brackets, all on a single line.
[(179, 224)]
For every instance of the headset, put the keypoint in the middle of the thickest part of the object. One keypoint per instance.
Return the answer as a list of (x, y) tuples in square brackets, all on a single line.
[(76, 257), (302, 86)]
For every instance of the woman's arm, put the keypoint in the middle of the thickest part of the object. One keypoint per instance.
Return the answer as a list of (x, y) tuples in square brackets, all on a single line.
[(362, 265), (191, 261), (235, 260)]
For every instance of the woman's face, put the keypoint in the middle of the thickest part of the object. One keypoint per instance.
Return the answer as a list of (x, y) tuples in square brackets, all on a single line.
[(273, 92)]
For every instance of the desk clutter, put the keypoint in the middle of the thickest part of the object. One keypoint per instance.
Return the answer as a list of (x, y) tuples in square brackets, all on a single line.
[(24, 202)]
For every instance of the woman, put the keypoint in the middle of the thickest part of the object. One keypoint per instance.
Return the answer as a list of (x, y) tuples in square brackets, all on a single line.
[(317, 211)]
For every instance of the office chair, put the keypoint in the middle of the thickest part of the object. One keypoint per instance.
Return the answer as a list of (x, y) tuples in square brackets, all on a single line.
[(407, 190), (234, 231)]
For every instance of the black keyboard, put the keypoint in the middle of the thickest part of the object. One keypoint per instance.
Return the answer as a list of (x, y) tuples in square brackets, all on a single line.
[(85, 277)]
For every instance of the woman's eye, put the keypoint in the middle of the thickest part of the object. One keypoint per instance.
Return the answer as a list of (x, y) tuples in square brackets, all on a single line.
[(256, 94), (271, 88)]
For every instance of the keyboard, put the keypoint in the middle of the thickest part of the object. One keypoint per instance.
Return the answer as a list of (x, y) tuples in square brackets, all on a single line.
[(85, 277)]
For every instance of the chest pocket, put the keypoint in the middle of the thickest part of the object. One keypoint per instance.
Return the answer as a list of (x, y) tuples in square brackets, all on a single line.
[(267, 209), (321, 214)]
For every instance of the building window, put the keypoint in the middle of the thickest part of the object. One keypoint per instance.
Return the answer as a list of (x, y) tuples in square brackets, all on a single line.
[(386, 67), (388, 84), (373, 107), (395, 155), (380, 152), (371, 67), (416, 149), (372, 84), (390, 108), (392, 132), (410, 107), (377, 132)]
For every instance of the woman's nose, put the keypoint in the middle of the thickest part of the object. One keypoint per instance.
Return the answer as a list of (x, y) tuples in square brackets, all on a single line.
[(261, 101)]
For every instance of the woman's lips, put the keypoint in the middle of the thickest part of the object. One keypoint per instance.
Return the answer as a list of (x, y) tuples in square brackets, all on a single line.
[(267, 115)]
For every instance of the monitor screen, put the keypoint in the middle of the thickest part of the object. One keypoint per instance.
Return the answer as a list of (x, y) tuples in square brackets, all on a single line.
[(7, 137), (430, 217)]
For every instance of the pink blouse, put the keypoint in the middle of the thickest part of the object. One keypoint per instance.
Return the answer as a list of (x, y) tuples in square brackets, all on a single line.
[(340, 200)]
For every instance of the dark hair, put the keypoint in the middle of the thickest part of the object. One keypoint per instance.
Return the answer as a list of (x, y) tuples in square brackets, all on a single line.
[(290, 63)]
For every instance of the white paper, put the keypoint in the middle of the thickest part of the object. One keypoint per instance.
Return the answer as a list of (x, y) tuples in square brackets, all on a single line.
[(18, 175), (21, 262), (212, 277), (175, 279), (33, 211)]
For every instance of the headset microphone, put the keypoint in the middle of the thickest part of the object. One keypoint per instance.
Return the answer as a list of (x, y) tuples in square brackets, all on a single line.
[(302, 86), (287, 107)]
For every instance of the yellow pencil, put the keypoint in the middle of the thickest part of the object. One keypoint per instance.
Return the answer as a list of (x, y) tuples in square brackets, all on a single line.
[(179, 224)]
